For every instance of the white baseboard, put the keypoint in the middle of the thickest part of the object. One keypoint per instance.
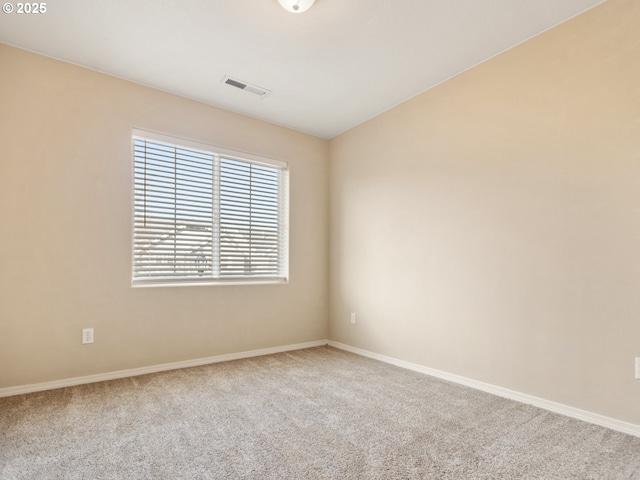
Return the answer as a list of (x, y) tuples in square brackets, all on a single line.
[(612, 423), (101, 377)]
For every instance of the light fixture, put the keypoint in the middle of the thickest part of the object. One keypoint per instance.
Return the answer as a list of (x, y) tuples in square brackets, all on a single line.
[(296, 6)]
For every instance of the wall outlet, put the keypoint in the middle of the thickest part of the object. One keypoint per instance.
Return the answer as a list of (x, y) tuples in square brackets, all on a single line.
[(353, 318), (638, 368), (87, 335)]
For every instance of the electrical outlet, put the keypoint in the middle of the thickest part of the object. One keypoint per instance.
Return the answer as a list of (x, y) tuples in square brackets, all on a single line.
[(638, 368), (353, 318), (87, 335)]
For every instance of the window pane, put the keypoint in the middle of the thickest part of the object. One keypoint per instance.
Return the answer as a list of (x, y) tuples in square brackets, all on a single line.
[(249, 219), (173, 211)]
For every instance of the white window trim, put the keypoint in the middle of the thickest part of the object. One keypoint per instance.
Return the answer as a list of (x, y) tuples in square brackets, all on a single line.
[(226, 153)]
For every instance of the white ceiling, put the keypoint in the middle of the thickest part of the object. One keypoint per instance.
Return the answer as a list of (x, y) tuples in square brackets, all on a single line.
[(328, 69)]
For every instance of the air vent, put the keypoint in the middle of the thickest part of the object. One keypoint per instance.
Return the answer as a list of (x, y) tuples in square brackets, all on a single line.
[(247, 87)]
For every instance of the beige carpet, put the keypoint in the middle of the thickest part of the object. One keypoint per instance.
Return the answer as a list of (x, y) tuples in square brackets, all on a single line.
[(316, 413)]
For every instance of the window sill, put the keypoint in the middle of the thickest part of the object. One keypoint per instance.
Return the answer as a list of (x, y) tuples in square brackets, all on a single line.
[(209, 283)]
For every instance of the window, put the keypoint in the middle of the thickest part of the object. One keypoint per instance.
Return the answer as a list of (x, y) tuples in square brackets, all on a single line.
[(203, 214)]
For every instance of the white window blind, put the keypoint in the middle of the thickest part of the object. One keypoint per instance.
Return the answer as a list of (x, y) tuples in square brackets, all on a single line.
[(202, 215)]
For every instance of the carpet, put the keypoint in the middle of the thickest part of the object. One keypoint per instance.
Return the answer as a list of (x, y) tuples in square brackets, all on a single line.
[(319, 413)]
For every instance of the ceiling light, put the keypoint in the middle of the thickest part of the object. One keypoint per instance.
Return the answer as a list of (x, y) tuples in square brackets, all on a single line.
[(296, 6)]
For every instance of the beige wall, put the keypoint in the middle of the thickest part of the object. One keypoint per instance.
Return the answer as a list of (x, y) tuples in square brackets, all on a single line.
[(65, 231), (490, 227)]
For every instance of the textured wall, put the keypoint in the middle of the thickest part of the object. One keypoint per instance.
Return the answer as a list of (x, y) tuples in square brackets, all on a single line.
[(65, 231), (490, 227)]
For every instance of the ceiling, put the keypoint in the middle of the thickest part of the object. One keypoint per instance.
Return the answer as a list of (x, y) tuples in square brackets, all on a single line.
[(328, 69)]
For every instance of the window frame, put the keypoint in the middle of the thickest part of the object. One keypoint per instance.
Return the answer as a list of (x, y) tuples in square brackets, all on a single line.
[(226, 153)]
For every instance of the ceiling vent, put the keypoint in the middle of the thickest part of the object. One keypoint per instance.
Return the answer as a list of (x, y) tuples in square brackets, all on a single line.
[(247, 87)]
